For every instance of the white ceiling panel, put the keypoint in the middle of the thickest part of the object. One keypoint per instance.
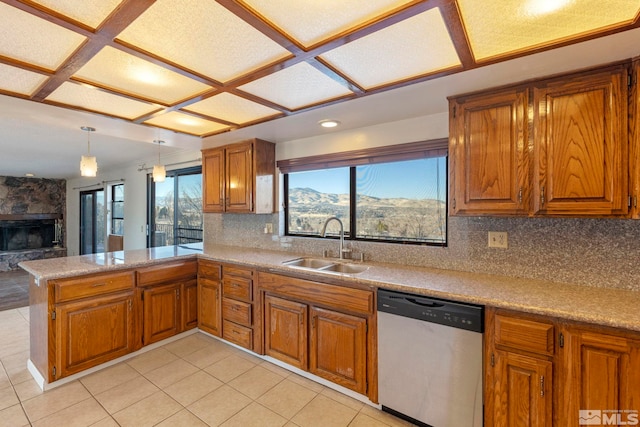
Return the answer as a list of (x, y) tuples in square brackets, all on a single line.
[(204, 37), (89, 12), (232, 108), (416, 46), (296, 87), (113, 68), (20, 81), (311, 21), (92, 99), (186, 123), (27, 38), (498, 27)]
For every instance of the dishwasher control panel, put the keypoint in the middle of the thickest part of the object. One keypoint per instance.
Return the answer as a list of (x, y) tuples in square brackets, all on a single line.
[(450, 313)]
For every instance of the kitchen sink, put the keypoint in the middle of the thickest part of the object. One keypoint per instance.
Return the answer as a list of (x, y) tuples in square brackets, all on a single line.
[(326, 266), (311, 263), (346, 268)]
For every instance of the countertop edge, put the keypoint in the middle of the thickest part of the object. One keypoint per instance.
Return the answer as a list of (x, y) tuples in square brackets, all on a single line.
[(615, 308)]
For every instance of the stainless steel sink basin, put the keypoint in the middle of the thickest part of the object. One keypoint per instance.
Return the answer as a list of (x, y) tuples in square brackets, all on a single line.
[(346, 268), (312, 263), (326, 266)]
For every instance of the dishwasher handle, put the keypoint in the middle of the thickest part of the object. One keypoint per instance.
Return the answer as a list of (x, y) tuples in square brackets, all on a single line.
[(430, 304)]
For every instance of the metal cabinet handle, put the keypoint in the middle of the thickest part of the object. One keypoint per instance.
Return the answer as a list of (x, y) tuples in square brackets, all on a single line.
[(542, 195)]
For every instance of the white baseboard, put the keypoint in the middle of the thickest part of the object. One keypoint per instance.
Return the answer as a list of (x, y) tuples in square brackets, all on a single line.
[(44, 385)]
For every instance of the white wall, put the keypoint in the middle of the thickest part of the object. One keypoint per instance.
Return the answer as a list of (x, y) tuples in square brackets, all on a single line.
[(135, 199), (403, 131)]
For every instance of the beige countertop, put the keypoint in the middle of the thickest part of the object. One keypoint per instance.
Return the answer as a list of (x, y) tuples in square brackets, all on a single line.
[(602, 306)]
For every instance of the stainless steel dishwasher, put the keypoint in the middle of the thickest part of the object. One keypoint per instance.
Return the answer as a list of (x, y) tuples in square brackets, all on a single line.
[(430, 359)]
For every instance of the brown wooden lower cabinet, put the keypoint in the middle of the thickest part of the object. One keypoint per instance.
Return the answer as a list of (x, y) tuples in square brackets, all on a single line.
[(338, 348), (93, 331), (91, 321), (600, 371), (190, 304), (285, 330), (209, 308), (322, 328), (162, 313), (169, 299), (521, 390), (541, 371)]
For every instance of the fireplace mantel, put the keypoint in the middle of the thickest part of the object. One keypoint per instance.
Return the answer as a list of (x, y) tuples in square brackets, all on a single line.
[(29, 217)]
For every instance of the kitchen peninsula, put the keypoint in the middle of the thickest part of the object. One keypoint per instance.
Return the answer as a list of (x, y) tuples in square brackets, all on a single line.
[(547, 322)]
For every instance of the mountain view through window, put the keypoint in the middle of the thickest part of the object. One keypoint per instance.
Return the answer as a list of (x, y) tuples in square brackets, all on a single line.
[(399, 201)]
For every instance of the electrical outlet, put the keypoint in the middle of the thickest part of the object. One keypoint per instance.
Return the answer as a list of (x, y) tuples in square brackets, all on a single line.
[(268, 228), (498, 239)]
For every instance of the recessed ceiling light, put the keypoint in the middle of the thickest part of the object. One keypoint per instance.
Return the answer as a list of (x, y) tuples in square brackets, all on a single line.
[(29, 175), (328, 123)]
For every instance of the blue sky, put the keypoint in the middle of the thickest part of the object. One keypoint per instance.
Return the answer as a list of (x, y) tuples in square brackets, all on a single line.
[(413, 179), (166, 187)]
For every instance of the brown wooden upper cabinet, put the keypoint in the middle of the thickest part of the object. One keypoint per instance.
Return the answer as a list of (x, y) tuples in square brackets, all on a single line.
[(489, 154), (580, 153), (240, 178), (556, 147), (634, 138)]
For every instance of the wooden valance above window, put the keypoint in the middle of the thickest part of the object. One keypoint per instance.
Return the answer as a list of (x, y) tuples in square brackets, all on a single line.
[(367, 156)]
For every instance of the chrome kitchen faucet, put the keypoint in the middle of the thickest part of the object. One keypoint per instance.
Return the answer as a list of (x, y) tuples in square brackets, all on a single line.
[(323, 233)]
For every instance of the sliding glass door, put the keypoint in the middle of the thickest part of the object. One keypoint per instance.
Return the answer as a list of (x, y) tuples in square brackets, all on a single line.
[(175, 208), (92, 223)]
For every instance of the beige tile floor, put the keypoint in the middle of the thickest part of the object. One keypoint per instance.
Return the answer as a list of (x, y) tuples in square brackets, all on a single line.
[(196, 381)]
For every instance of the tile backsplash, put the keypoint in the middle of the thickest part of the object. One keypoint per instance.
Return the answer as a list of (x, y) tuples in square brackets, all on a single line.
[(590, 252)]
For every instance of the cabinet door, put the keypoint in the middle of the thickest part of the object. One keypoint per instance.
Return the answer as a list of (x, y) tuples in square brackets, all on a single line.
[(601, 372), (634, 140), (521, 391), (162, 313), (580, 145), (338, 348), (285, 330), (239, 178), (213, 180), (189, 304), (488, 151), (210, 310), (92, 332)]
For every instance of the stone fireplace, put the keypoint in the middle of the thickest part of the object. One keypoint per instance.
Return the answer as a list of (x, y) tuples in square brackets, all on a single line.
[(29, 210)]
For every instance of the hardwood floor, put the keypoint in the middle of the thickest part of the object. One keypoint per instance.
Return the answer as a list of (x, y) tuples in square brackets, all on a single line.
[(14, 289)]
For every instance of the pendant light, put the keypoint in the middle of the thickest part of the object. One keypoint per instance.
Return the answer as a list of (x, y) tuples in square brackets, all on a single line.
[(88, 163), (159, 172)]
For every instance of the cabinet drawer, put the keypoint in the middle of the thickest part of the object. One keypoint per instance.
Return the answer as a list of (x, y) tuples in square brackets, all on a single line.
[(237, 334), (237, 288), (166, 273), (99, 284), (236, 311), (237, 271), (524, 334), (210, 270), (342, 298)]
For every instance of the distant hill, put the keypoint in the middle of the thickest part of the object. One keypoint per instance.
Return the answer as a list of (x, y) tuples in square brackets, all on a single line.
[(384, 218)]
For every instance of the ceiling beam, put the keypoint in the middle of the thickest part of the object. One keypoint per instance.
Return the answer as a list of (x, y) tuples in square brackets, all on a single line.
[(125, 14)]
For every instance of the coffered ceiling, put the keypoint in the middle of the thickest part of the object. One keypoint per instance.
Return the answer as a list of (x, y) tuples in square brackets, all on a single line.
[(204, 67)]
